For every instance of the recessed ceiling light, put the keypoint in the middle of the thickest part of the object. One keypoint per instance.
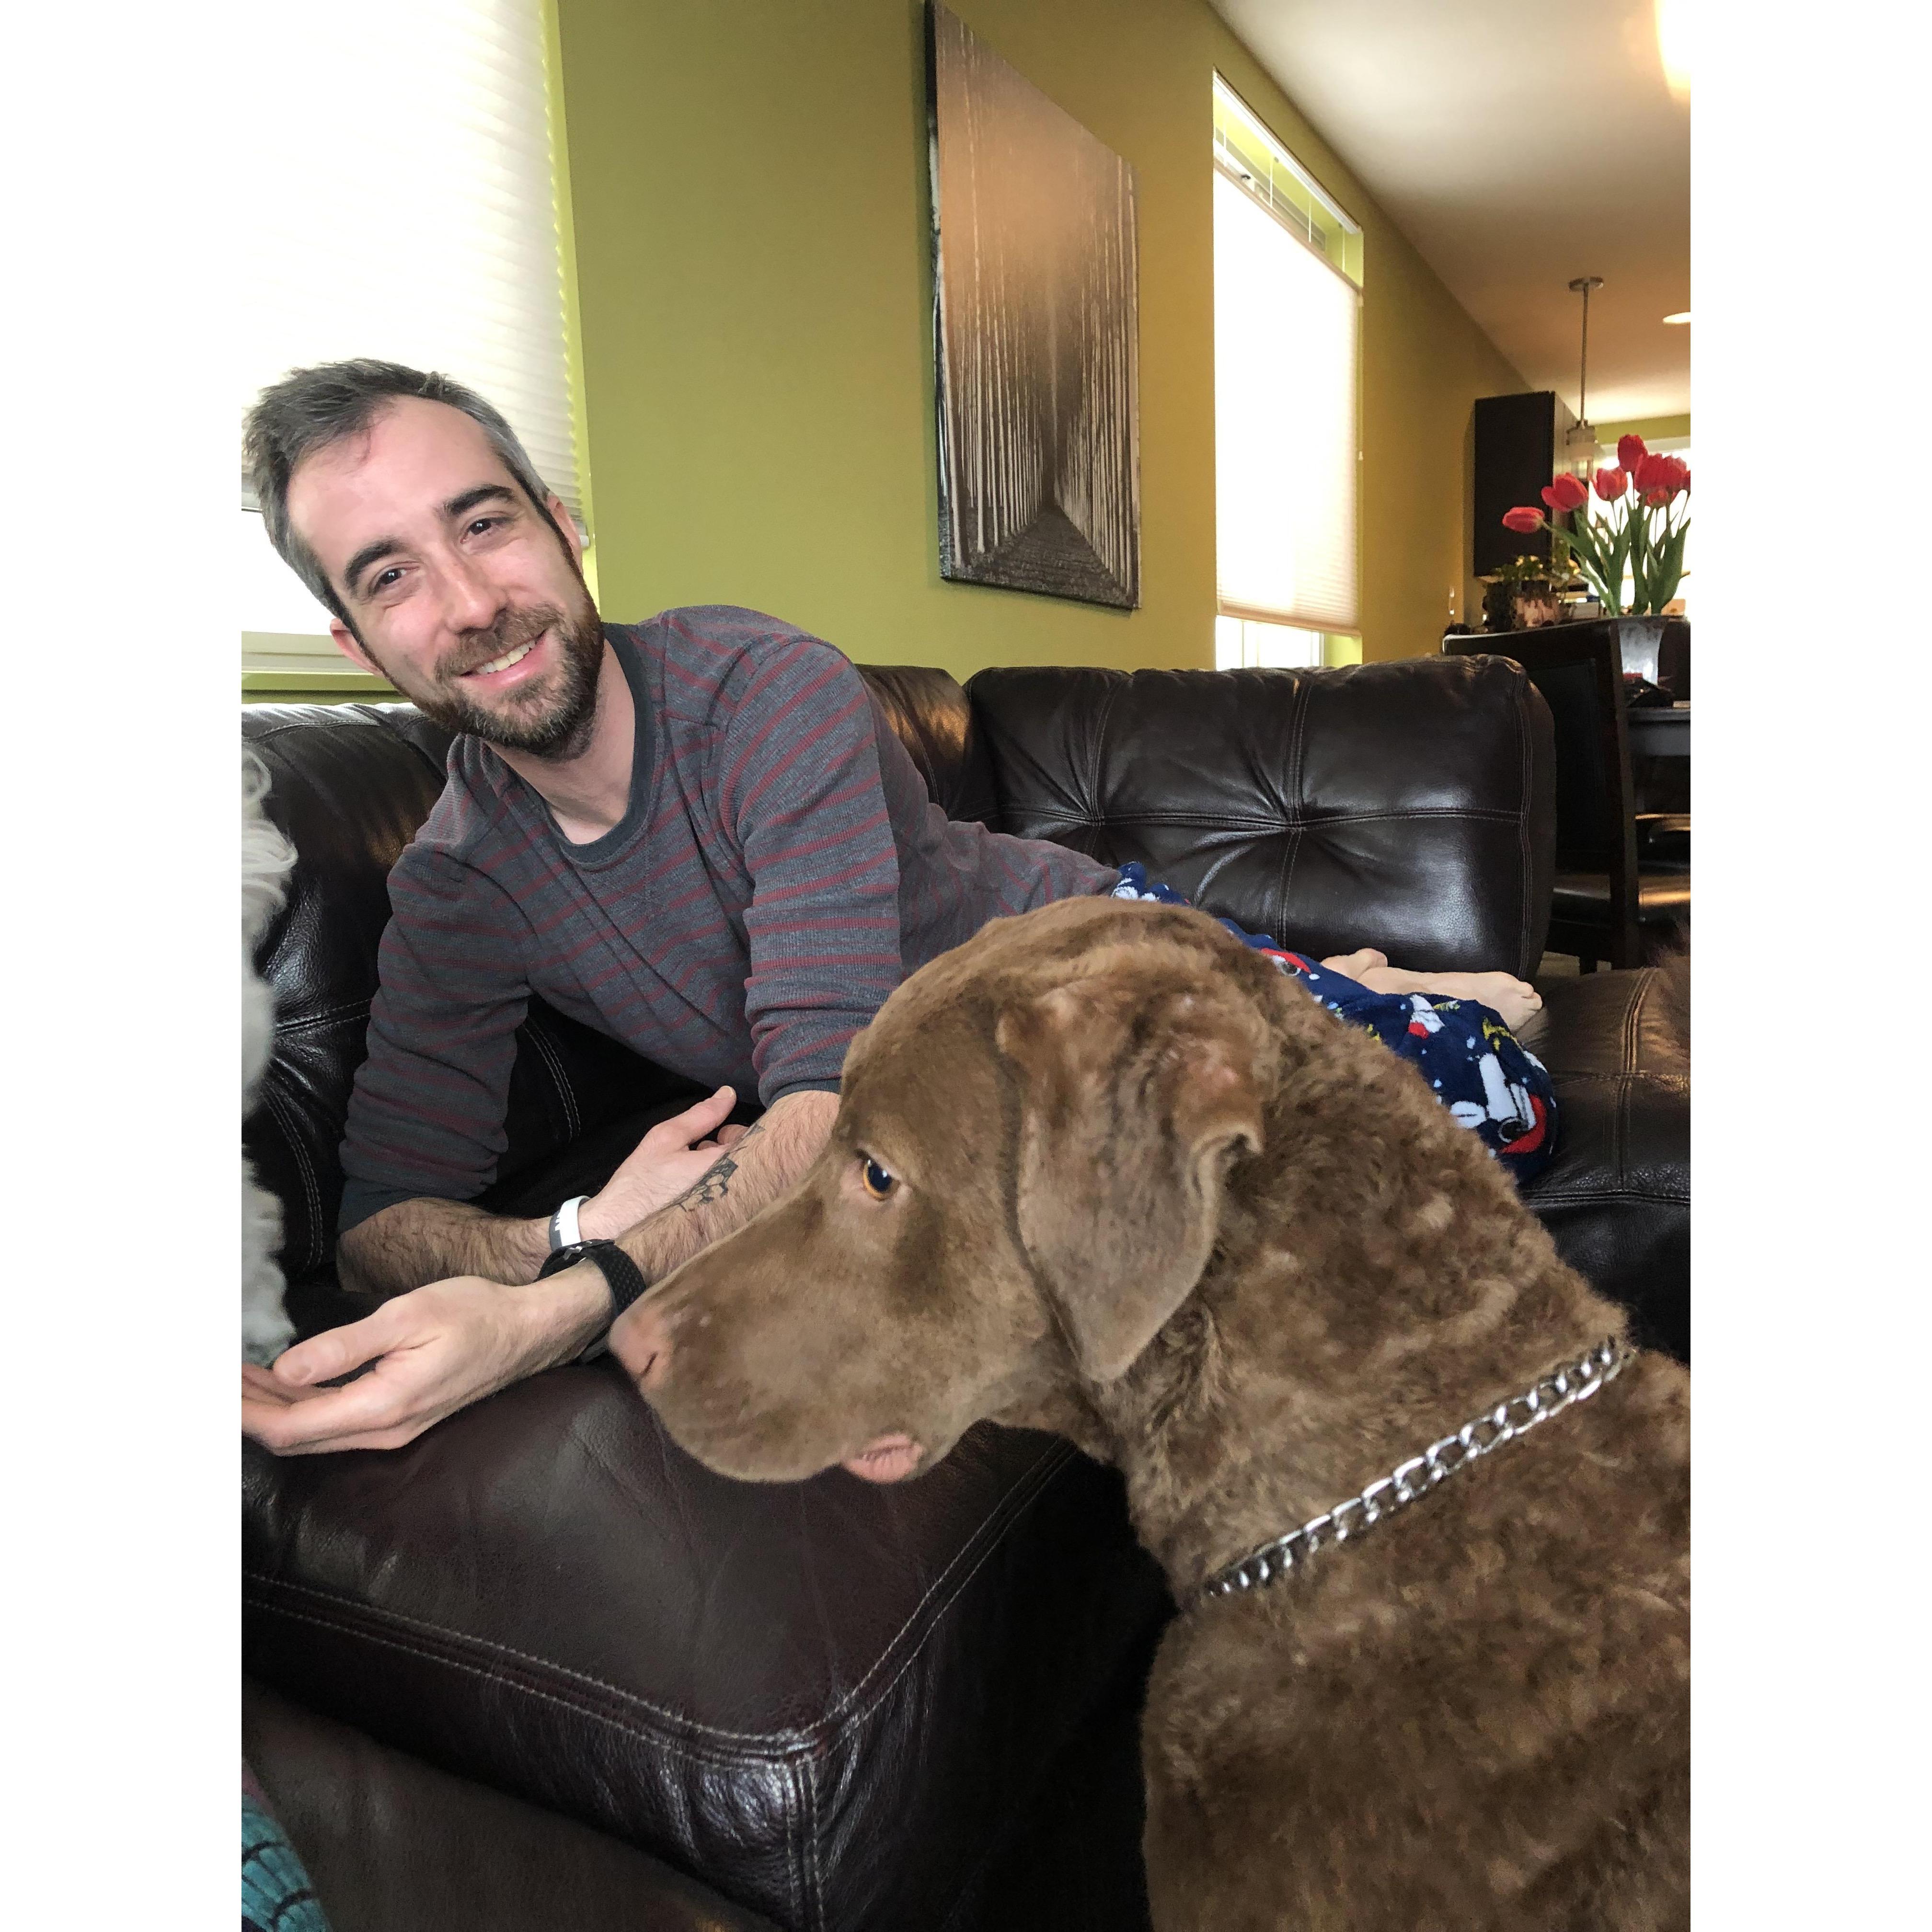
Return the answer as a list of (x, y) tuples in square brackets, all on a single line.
[(1682, 316)]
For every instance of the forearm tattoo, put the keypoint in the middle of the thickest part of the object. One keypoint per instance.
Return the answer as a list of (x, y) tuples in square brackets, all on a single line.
[(716, 1182)]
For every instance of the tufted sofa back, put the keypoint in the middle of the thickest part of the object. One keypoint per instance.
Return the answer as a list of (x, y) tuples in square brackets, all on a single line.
[(1406, 806)]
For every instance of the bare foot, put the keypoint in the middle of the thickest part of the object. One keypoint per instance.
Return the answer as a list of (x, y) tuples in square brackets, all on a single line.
[(1511, 998), (1353, 965)]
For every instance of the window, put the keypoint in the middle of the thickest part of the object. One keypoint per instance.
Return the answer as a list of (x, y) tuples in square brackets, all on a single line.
[(404, 204), (1287, 417)]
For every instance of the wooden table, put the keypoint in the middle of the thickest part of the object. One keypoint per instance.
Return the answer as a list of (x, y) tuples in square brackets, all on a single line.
[(1660, 744), (1657, 732)]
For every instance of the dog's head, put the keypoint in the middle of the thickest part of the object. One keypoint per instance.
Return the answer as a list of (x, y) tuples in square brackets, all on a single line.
[(1025, 1182)]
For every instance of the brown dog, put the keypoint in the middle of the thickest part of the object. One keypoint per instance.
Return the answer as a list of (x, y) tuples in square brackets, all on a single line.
[(1106, 1170)]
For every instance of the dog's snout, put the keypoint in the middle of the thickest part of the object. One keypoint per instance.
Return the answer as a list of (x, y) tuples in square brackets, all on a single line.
[(641, 1341)]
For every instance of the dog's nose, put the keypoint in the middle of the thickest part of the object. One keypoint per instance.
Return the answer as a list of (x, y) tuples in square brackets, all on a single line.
[(641, 1341)]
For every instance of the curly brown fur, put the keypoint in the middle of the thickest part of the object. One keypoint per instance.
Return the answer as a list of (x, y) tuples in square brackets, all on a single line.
[(1147, 1191)]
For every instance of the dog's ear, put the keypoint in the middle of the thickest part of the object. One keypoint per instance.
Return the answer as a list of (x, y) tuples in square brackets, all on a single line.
[(1137, 1098)]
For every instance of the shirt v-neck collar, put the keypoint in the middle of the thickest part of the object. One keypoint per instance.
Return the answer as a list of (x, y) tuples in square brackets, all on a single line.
[(612, 844)]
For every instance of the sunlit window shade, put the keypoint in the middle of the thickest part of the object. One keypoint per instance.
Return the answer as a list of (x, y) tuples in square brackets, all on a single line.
[(400, 203), (1287, 336)]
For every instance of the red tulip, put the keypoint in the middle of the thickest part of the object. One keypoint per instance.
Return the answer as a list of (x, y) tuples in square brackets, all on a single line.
[(1566, 492), (1611, 484), (1630, 451), (1522, 520), (1653, 473)]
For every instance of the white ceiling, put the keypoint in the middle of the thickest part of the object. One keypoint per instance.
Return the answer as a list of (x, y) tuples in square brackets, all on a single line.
[(1517, 145)]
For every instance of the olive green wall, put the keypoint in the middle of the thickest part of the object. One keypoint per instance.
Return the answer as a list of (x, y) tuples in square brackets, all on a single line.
[(748, 184), (1652, 429)]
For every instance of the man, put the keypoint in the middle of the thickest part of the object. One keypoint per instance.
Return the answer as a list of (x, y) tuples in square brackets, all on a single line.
[(698, 834)]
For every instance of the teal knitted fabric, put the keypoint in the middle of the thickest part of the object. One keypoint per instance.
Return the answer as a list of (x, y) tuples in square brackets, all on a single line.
[(276, 1894)]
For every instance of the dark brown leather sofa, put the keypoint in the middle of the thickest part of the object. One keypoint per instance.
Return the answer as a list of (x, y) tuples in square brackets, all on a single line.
[(543, 1654)]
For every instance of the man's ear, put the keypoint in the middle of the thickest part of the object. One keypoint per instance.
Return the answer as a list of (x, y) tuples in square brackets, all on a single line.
[(1137, 1100), (567, 523), (346, 643)]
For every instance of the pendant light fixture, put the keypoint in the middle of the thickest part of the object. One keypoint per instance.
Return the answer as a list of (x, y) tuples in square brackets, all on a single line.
[(1580, 443)]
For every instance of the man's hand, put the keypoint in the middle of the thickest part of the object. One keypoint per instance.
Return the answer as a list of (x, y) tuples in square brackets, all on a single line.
[(438, 1348), (672, 1157), (417, 1242), (433, 1351)]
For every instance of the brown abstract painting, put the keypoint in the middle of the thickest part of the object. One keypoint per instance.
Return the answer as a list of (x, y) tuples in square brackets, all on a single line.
[(1035, 332)]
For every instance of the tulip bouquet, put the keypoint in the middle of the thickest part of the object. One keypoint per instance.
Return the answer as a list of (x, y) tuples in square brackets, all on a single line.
[(1646, 538)]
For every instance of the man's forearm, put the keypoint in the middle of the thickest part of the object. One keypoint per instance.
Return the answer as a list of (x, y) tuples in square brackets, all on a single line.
[(415, 1242), (775, 1152)]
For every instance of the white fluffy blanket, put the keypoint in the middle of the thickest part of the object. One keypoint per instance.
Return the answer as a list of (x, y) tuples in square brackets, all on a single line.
[(266, 859)]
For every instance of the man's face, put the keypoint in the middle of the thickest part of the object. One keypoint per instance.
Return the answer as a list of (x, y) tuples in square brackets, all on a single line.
[(463, 598)]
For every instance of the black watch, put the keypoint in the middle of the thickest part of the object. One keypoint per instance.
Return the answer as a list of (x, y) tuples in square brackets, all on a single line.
[(626, 1278)]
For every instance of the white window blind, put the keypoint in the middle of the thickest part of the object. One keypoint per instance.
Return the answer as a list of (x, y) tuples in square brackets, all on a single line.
[(401, 204), (1287, 345)]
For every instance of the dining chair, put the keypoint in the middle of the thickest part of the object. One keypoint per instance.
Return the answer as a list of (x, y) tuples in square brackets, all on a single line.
[(1607, 904)]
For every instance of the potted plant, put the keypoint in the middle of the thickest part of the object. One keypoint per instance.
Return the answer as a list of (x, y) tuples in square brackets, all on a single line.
[(1637, 530), (1528, 592)]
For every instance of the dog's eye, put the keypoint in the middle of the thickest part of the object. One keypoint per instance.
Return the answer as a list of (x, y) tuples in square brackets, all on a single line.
[(877, 1182)]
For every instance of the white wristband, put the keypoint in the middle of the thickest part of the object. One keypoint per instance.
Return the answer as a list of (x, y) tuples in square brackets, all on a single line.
[(564, 1232)]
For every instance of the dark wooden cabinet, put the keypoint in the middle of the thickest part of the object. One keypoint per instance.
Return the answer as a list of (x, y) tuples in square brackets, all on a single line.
[(1518, 443)]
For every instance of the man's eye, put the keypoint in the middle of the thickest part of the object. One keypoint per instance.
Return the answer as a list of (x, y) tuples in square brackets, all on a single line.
[(485, 524), (383, 580), (876, 1180)]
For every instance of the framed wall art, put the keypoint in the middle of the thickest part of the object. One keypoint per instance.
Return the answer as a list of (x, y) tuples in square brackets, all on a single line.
[(1036, 334)]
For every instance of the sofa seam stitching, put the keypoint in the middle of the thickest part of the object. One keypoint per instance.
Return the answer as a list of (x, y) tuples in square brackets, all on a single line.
[(795, 1847), (553, 1065), (304, 1167), (672, 1745), (1291, 857), (328, 1016), (1676, 1082), (1587, 1197), (807, 1768), (1297, 818), (360, 1612), (1099, 761), (1525, 789)]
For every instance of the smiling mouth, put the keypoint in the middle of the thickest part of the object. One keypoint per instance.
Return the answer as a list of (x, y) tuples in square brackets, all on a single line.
[(513, 656)]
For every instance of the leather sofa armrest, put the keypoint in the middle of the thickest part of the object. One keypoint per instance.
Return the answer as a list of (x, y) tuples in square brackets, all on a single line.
[(1617, 1197)]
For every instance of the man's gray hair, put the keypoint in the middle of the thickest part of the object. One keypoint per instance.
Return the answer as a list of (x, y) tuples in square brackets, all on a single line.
[(310, 408)]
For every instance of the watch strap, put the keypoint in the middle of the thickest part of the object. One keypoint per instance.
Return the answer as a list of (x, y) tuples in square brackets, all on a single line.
[(625, 1278)]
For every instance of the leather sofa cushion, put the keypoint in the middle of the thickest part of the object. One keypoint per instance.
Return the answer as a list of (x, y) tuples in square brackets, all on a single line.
[(839, 1695), (392, 1844), (1407, 805)]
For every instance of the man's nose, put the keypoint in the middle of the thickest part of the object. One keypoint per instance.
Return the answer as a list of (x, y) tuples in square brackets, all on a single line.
[(641, 1341), (471, 602)]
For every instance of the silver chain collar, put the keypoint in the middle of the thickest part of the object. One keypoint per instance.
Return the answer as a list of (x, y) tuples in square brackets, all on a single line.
[(1575, 1381)]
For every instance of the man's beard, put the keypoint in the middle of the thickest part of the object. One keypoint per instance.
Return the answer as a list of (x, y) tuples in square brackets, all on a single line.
[(552, 719)]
